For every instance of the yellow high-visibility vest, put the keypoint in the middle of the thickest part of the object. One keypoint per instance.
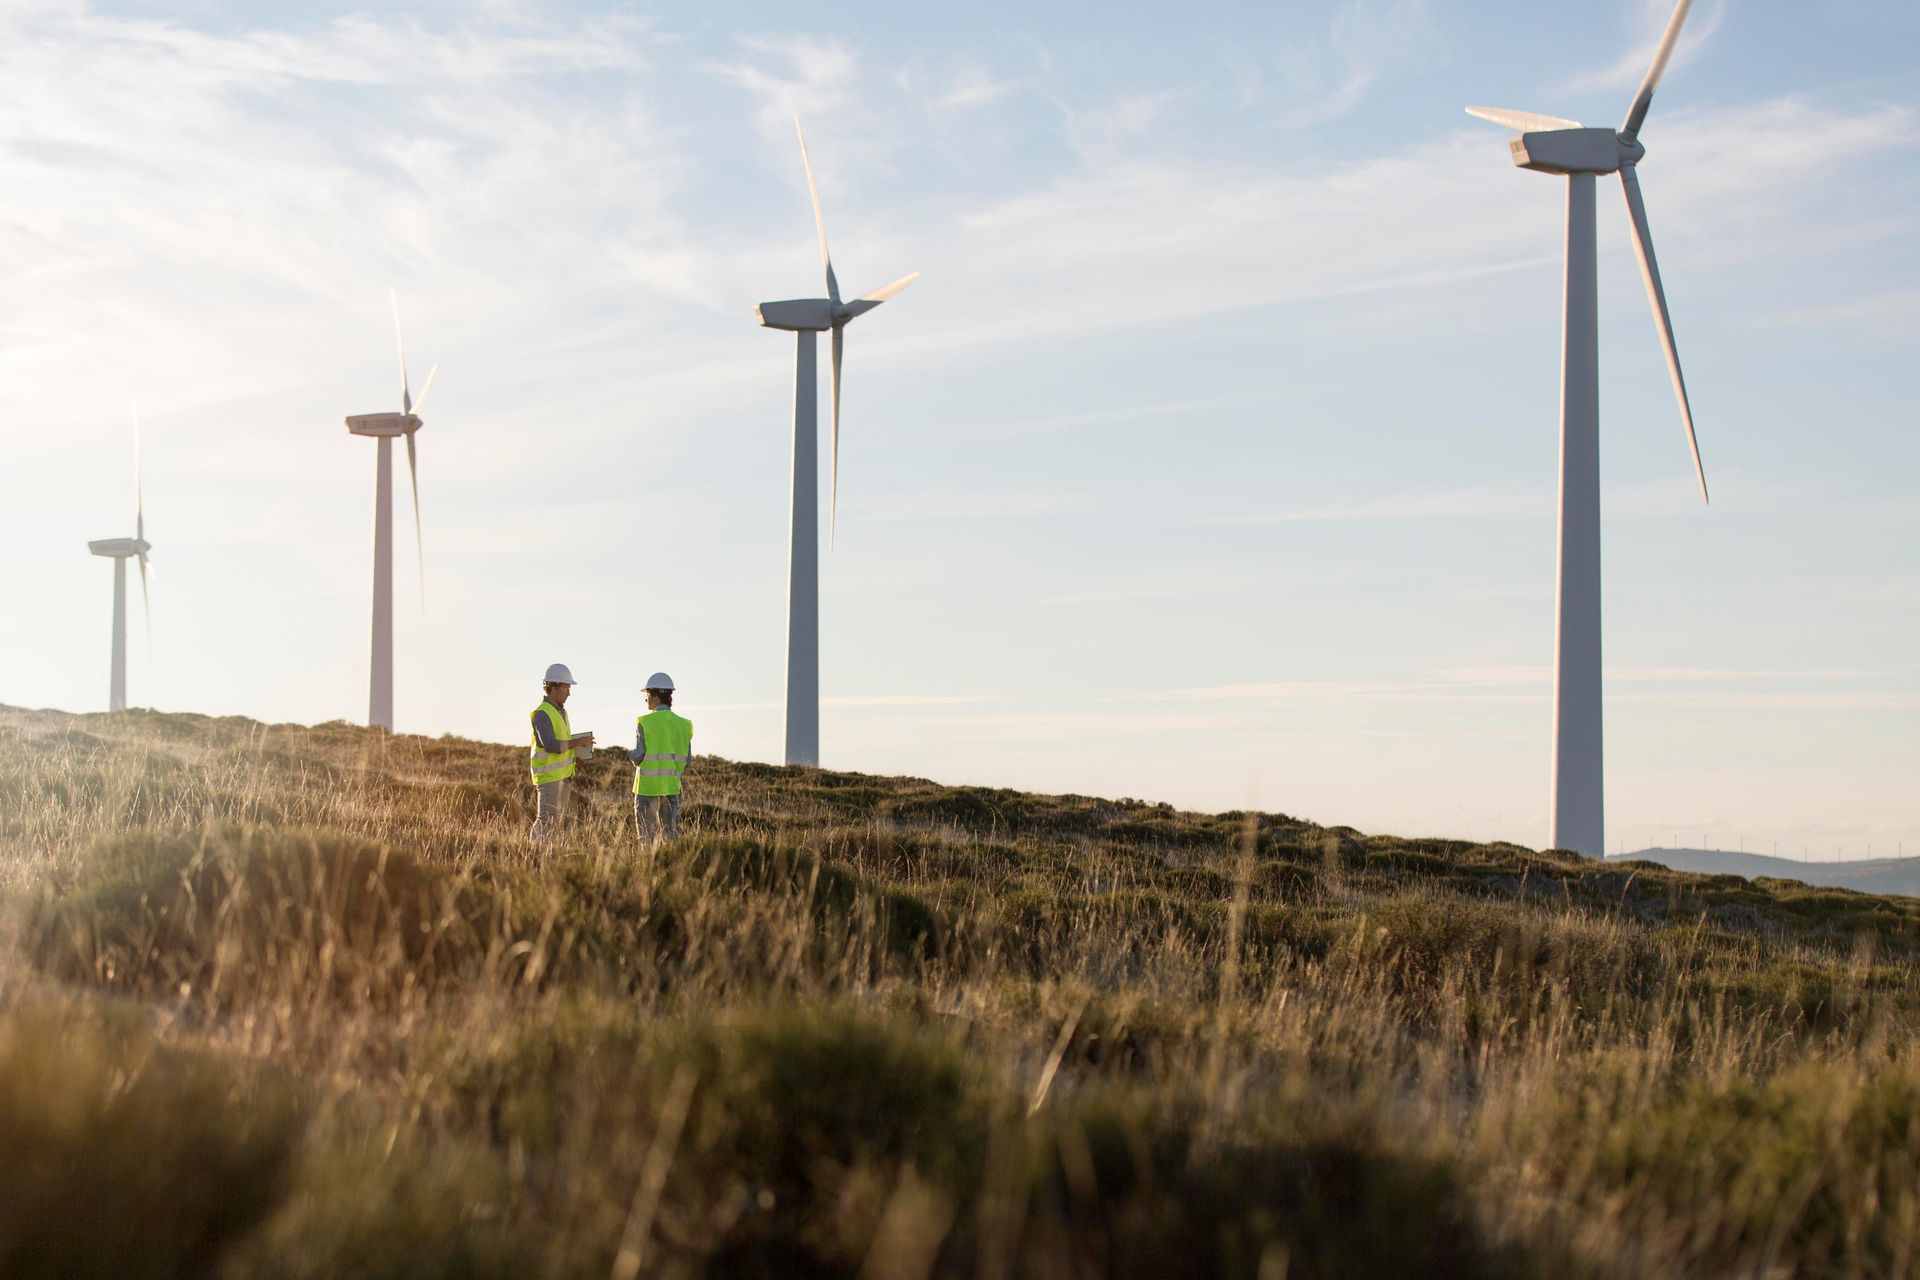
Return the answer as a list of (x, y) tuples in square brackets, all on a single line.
[(669, 740), (551, 766)]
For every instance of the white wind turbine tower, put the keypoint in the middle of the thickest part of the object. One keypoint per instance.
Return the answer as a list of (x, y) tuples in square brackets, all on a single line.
[(806, 317), (121, 550), (1549, 144), (384, 427)]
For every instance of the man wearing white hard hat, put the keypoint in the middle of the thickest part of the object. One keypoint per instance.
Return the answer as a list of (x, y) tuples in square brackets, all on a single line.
[(662, 747), (555, 749)]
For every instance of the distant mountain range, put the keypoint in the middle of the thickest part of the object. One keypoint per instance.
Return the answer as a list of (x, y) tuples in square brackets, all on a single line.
[(1874, 875)]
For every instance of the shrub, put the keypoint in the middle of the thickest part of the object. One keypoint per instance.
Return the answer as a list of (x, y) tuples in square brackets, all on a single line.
[(1808, 1173), (232, 914), (125, 1159), (1128, 1187), (367, 1203)]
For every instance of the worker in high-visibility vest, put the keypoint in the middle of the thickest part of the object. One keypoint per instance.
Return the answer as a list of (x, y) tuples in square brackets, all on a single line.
[(662, 748), (555, 748)]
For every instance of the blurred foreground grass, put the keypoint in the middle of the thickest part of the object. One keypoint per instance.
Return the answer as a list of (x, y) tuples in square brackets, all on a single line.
[(284, 1001)]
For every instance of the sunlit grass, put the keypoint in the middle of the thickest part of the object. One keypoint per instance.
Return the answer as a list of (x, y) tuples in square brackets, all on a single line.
[(304, 1001)]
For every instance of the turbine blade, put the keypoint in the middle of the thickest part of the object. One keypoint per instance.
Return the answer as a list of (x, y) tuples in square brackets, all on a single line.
[(833, 491), (1657, 298), (868, 301), (1637, 113), (406, 393), (886, 291), (419, 547), (820, 223), (425, 387), (146, 606), (139, 501), (1523, 121)]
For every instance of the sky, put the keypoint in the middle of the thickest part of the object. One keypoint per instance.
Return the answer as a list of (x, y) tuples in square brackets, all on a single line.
[(1211, 460)]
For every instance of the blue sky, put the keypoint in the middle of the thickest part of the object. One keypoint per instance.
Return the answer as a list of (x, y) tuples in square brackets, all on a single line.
[(1223, 414)]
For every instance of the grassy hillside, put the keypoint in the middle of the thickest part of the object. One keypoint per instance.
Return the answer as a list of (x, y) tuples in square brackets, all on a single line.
[(285, 1002)]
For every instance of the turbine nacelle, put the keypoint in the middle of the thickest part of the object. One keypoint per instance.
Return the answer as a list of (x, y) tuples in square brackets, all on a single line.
[(1570, 151), (384, 424), (120, 548), (818, 314), (797, 315)]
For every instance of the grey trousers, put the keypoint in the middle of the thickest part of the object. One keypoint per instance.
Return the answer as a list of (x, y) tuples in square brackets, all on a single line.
[(551, 806), (656, 818)]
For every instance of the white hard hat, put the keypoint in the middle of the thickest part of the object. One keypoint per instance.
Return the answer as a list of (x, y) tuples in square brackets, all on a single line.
[(660, 680), (560, 673)]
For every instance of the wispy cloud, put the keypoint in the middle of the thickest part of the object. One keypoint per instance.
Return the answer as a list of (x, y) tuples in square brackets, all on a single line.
[(1328, 75), (1492, 686), (201, 175), (1110, 129), (1400, 692), (322, 165), (978, 504), (1540, 675), (1649, 20), (967, 86), (1130, 242), (805, 75), (1404, 506), (1109, 416), (1892, 313), (1783, 701), (858, 701)]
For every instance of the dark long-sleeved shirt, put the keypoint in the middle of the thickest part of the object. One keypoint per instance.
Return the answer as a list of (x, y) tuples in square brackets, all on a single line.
[(544, 735)]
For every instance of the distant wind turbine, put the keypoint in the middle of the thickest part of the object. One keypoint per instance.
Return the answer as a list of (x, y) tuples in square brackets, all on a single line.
[(121, 550), (806, 317), (384, 427), (1549, 144)]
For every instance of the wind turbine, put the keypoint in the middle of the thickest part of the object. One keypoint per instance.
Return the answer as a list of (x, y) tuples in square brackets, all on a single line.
[(121, 550), (384, 427), (1548, 144), (805, 317)]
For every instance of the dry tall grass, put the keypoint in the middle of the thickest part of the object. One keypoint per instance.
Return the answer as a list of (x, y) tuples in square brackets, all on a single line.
[(279, 1001)]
